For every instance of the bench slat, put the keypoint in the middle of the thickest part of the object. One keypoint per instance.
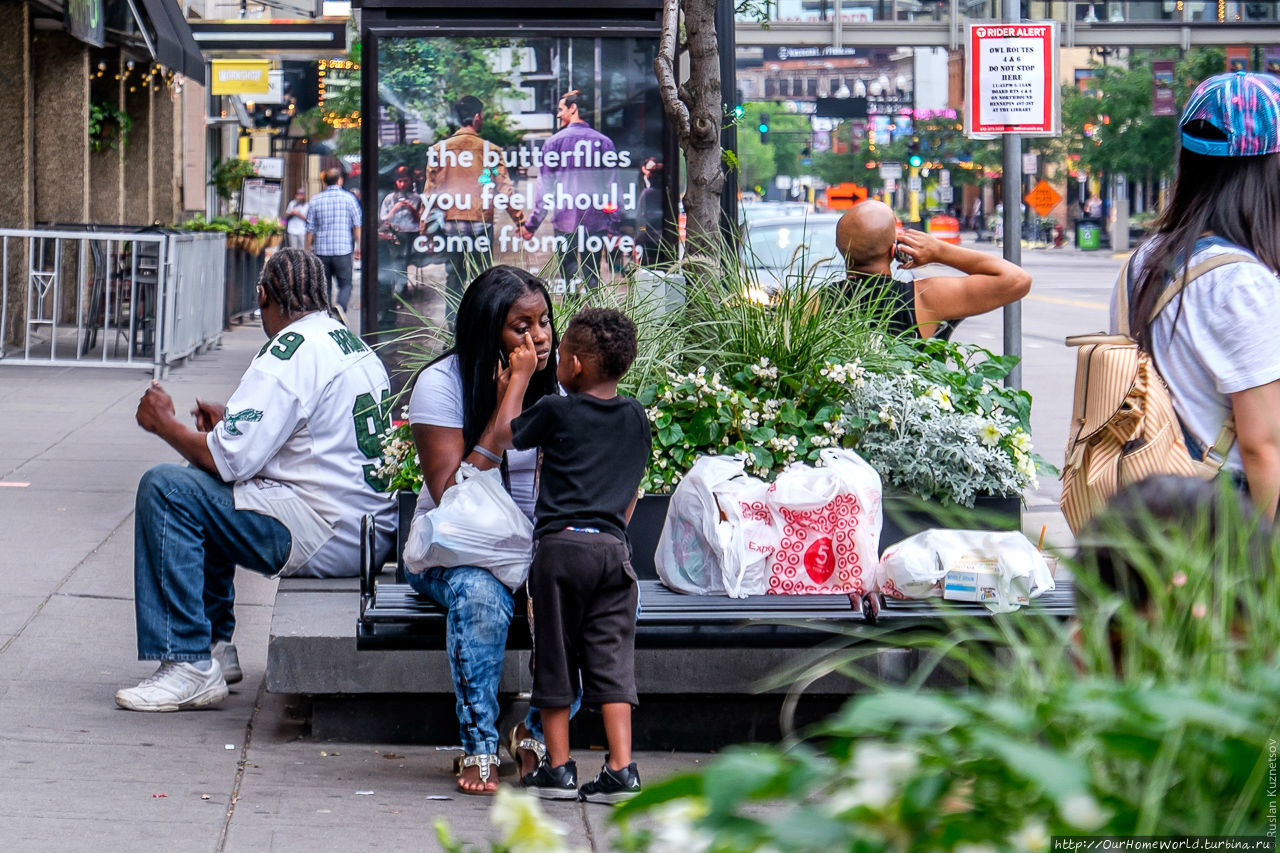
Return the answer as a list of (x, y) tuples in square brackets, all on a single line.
[(399, 617)]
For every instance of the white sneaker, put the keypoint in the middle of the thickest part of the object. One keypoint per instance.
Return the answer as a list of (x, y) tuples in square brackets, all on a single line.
[(227, 657), (175, 686)]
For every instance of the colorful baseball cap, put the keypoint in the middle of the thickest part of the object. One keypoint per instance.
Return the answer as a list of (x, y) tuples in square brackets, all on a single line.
[(1244, 106)]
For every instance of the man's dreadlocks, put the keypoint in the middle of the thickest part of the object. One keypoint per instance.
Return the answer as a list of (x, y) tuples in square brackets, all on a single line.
[(296, 281)]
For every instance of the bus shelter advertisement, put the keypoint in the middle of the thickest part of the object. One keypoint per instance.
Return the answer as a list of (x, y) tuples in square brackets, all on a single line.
[(540, 152)]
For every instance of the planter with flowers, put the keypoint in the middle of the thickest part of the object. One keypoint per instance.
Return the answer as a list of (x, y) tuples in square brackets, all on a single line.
[(776, 384), (935, 422)]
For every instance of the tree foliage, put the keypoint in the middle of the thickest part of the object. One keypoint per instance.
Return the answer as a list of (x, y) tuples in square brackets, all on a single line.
[(790, 135), (421, 78), (1111, 128)]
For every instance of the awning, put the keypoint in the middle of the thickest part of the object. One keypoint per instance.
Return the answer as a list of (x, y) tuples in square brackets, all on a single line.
[(172, 45)]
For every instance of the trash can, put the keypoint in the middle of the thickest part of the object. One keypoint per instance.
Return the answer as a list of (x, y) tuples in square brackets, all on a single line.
[(1088, 236)]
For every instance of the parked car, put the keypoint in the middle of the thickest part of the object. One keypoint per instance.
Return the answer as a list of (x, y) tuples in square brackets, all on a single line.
[(791, 250), (773, 210)]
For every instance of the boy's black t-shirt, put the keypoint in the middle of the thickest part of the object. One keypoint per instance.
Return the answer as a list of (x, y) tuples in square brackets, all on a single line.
[(594, 454)]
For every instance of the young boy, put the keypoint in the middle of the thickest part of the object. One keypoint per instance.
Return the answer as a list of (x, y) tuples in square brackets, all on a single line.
[(595, 448)]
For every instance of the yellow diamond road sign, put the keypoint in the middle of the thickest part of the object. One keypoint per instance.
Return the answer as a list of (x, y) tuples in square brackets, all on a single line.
[(1043, 198)]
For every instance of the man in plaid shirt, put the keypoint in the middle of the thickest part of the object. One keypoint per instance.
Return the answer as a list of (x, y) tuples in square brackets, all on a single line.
[(333, 232)]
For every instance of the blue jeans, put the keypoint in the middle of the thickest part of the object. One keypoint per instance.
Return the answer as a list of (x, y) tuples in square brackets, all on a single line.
[(338, 267), (480, 609), (188, 539)]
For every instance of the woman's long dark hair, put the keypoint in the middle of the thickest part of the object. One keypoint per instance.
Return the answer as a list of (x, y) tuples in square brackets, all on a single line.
[(1235, 198), (482, 315)]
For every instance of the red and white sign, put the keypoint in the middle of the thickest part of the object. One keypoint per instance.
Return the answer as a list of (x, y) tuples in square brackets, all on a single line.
[(1012, 79)]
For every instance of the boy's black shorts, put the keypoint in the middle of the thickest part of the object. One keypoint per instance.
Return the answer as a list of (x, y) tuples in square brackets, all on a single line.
[(584, 617)]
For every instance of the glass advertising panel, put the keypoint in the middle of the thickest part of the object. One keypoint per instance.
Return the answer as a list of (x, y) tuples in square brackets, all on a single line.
[(543, 152)]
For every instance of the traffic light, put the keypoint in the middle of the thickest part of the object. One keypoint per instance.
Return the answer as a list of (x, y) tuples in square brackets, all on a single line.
[(764, 128), (914, 158)]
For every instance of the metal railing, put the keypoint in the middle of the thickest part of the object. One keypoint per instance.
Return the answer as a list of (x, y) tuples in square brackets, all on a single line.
[(118, 298)]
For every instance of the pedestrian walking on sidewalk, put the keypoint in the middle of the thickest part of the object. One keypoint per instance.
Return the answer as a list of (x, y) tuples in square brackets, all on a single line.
[(1216, 344), (295, 220), (333, 233), (278, 483), (595, 446)]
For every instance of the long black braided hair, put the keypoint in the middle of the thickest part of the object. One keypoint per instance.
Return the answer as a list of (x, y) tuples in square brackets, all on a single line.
[(296, 281)]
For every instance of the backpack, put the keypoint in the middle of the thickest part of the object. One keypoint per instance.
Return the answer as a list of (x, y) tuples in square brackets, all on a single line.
[(1123, 424)]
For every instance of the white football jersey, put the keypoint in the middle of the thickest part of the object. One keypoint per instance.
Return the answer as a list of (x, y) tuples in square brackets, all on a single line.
[(302, 441)]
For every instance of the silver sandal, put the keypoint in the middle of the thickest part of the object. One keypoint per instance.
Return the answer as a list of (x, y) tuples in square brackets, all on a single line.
[(537, 747), (486, 764)]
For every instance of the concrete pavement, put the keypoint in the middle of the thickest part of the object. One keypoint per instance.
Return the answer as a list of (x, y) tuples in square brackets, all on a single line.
[(76, 773)]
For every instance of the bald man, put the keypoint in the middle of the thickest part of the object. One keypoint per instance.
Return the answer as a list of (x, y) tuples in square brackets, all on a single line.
[(867, 237)]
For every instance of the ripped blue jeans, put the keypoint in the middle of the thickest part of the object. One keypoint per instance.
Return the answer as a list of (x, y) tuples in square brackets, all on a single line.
[(480, 610)]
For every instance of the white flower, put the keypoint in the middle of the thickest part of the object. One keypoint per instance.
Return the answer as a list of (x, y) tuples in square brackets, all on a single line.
[(886, 417), (1033, 837), (872, 793), (970, 847), (1021, 441), (675, 830), (524, 826), (989, 433), (876, 760), (1025, 464), (942, 397), (1083, 812)]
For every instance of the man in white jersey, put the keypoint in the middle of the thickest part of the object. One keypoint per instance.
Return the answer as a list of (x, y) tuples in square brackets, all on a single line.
[(278, 481)]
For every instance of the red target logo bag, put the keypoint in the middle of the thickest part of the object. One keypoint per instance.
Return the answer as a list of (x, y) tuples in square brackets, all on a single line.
[(829, 520)]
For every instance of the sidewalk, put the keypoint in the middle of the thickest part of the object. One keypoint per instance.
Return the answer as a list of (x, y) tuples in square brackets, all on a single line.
[(79, 774), (76, 772)]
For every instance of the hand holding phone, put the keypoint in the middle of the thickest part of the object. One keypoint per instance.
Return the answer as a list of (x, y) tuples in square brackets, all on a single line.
[(900, 255)]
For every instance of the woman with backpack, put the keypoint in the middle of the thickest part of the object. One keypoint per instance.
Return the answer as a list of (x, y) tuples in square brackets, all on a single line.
[(1217, 342)]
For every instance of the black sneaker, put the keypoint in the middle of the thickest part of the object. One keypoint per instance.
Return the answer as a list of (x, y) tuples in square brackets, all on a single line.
[(611, 786), (553, 783)]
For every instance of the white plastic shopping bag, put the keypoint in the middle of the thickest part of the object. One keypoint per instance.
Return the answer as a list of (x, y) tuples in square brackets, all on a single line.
[(829, 520), (1000, 569), (476, 524), (749, 535), (689, 555)]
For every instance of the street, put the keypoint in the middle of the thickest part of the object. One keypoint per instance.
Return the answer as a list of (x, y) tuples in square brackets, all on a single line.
[(1070, 293)]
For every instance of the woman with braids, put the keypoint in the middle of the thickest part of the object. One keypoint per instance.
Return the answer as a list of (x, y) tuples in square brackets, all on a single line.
[(503, 362), (1217, 342), (278, 482)]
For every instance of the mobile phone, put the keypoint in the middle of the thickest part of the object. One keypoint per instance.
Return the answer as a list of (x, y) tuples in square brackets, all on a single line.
[(901, 256), (502, 359)]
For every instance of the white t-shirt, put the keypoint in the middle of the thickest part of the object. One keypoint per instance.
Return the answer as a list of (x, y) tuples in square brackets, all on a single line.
[(301, 439), (1226, 340), (297, 225), (437, 401)]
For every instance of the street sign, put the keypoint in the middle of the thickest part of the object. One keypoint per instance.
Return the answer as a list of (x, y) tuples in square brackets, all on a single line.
[(944, 178), (1043, 198), (944, 194), (1029, 164), (890, 184), (891, 171), (1011, 79), (913, 184)]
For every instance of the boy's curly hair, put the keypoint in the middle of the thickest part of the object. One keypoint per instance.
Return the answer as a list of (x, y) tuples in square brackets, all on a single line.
[(604, 335)]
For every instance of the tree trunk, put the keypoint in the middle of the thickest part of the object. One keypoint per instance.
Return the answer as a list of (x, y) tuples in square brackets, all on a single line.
[(695, 109)]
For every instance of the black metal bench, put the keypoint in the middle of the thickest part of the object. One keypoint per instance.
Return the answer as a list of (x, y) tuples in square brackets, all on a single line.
[(393, 616)]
